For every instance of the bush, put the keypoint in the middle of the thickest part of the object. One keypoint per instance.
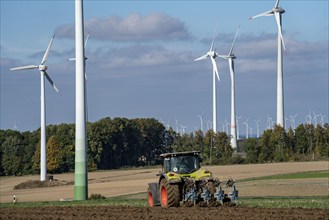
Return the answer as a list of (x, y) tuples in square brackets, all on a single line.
[(96, 196)]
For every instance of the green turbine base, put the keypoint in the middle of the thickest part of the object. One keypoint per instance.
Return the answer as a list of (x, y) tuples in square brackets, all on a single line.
[(80, 193)]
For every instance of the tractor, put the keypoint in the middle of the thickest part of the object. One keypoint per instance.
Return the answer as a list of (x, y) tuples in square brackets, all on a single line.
[(182, 181)]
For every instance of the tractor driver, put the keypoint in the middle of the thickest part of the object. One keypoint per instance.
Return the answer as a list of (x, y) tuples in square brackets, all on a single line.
[(184, 165)]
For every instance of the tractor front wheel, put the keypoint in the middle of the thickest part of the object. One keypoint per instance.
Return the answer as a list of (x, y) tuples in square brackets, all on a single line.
[(169, 194)]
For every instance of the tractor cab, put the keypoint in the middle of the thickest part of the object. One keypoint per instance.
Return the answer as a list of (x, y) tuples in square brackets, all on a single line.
[(181, 162)]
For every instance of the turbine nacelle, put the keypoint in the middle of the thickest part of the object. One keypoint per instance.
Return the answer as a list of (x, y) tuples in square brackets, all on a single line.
[(43, 67), (212, 54), (278, 9)]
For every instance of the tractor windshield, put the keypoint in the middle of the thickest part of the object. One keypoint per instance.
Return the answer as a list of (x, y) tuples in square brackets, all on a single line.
[(182, 164)]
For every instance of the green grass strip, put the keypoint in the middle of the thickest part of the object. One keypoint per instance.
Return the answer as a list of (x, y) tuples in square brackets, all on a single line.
[(301, 175), (286, 202)]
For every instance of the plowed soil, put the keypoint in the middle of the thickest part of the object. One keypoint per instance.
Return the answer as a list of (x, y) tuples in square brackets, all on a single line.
[(197, 213)]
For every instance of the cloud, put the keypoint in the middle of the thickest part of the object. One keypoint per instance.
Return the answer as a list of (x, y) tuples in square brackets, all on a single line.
[(140, 60), (7, 63), (135, 27)]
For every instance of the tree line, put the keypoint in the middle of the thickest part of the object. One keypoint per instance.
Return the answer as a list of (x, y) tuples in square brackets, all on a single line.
[(120, 142)]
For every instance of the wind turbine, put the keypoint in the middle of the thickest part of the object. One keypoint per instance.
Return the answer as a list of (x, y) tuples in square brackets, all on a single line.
[(183, 129), (308, 118), (201, 121), (42, 68), (322, 119), (292, 120), (177, 131), (237, 126), (269, 121), (285, 123), (247, 127), (257, 127), (230, 57), (226, 124), (315, 119), (209, 125), (212, 55), (277, 11)]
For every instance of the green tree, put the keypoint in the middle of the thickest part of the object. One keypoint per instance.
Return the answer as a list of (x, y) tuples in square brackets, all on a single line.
[(302, 143), (321, 139), (12, 153), (278, 141), (266, 147), (208, 143), (311, 140), (252, 149), (291, 142), (54, 155)]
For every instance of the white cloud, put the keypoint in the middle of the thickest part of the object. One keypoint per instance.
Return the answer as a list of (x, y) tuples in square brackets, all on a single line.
[(135, 27)]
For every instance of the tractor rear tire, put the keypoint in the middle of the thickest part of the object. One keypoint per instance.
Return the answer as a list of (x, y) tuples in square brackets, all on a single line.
[(150, 197), (169, 194)]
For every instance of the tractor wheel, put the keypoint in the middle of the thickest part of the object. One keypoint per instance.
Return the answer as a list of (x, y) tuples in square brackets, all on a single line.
[(150, 197), (169, 194)]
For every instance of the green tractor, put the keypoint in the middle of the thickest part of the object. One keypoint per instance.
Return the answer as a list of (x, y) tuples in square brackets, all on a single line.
[(183, 181)]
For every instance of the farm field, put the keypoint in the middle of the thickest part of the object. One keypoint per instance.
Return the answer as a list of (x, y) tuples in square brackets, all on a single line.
[(193, 213), (126, 182), (252, 181)]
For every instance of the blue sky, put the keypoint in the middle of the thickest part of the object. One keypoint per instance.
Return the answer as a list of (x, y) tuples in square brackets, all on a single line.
[(141, 60)]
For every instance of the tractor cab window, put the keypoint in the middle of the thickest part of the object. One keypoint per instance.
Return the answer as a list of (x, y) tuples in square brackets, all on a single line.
[(182, 164)]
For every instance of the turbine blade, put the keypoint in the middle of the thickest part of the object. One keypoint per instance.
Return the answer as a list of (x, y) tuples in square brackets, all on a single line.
[(278, 22), (276, 4), (25, 67), (267, 13), (51, 81), (223, 56), (202, 57), (214, 66), (45, 56), (236, 34), (71, 59), (86, 41), (213, 39)]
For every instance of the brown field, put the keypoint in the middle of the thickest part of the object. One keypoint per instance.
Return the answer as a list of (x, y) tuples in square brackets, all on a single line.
[(125, 182), (183, 213)]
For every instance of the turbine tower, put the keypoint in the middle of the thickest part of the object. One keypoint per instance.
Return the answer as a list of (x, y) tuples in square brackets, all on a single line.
[(230, 57), (277, 11), (42, 67), (86, 58), (80, 170), (212, 54)]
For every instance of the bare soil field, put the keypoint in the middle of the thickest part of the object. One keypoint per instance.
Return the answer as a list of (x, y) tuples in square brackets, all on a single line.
[(125, 182), (194, 213)]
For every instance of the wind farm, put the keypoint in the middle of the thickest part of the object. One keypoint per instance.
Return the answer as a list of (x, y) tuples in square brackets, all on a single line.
[(150, 92)]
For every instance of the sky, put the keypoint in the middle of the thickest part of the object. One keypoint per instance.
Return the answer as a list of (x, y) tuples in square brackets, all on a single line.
[(141, 61)]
